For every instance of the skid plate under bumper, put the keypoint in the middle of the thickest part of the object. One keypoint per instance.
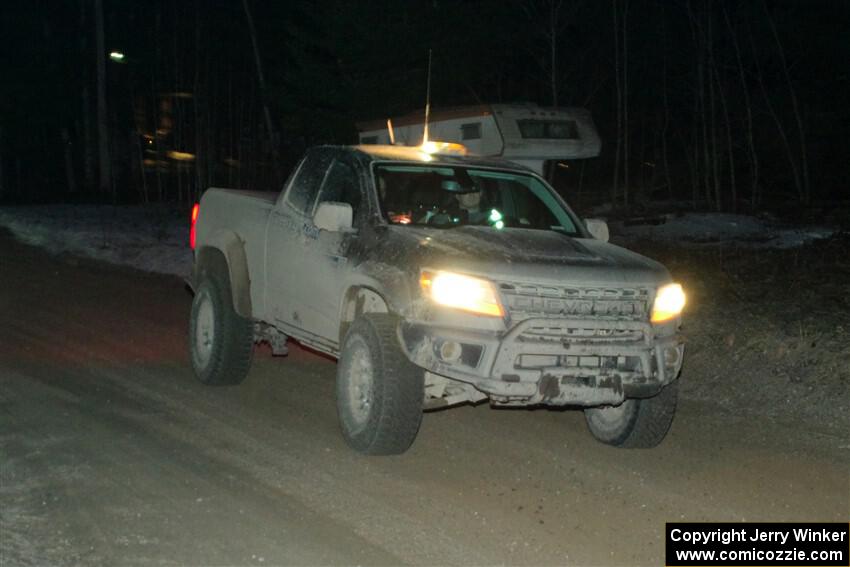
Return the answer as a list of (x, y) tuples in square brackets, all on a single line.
[(581, 362)]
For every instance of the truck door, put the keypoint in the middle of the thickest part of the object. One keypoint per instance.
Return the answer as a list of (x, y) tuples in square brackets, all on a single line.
[(325, 253), (284, 258)]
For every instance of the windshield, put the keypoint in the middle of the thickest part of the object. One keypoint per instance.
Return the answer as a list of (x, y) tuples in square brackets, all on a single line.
[(452, 196)]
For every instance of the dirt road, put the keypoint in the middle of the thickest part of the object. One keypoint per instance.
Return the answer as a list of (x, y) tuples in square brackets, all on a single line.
[(112, 453)]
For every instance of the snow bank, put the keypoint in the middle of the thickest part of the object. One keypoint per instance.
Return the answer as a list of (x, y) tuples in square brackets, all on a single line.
[(719, 228), (153, 239), (156, 239)]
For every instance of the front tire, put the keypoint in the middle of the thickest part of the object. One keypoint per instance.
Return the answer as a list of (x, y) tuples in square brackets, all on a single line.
[(379, 391), (221, 342), (636, 423)]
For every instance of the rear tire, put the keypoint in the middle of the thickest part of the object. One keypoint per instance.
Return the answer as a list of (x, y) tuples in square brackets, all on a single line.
[(636, 423), (379, 391), (221, 342)]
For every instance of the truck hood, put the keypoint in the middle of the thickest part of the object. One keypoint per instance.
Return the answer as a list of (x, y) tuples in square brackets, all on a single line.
[(523, 255)]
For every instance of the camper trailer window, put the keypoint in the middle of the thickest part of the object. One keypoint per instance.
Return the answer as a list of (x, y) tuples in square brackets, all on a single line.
[(369, 140), (548, 129), (450, 197), (470, 131)]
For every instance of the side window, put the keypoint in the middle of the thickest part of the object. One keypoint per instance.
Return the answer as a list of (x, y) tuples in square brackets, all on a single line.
[(470, 131), (342, 186), (302, 193)]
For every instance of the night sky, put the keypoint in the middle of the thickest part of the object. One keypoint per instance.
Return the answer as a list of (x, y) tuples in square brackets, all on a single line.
[(717, 105)]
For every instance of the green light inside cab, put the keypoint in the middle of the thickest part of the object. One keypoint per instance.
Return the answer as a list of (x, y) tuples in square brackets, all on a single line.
[(496, 219)]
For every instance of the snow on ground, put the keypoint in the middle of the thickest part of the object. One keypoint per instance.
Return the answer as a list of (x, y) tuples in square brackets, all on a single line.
[(156, 239), (719, 228)]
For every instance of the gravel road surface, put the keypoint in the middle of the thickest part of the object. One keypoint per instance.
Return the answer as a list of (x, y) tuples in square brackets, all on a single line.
[(111, 453)]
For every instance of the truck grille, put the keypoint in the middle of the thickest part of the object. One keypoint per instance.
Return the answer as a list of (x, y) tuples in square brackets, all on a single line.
[(524, 300), (564, 334)]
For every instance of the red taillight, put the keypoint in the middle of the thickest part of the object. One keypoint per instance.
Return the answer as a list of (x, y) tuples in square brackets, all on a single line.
[(192, 229)]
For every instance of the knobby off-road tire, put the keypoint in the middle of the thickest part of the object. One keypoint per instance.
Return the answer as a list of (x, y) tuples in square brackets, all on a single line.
[(636, 423), (379, 392), (221, 343)]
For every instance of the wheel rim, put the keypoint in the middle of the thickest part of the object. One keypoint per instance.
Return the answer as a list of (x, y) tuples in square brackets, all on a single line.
[(204, 330), (611, 418), (360, 380)]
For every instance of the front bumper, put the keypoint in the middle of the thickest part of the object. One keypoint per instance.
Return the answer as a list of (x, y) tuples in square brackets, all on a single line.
[(581, 362)]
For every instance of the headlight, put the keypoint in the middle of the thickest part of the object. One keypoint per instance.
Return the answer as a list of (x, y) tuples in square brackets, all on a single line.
[(461, 292), (669, 302)]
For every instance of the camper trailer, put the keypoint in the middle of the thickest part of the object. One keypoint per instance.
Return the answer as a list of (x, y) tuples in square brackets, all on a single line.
[(523, 133)]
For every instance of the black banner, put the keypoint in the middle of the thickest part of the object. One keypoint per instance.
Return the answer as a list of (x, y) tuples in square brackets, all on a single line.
[(762, 544)]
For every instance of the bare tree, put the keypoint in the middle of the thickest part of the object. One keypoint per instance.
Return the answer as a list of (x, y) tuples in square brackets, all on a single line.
[(553, 17), (804, 189), (780, 127), (70, 176), (2, 177), (554, 9), (618, 81), (200, 150), (665, 125), (751, 147), (260, 75), (85, 127), (105, 181), (733, 186), (625, 66)]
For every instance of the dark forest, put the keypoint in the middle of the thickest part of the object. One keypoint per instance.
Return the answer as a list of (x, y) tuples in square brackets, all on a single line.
[(733, 106)]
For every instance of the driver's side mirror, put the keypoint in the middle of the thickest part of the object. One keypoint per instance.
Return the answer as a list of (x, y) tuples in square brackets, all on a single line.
[(597, 228), (333, 216)]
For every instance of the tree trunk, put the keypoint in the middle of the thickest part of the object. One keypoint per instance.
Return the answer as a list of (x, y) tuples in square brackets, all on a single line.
[(70, 176), (2, 158), (160, 190), (554, 7), (752, 154), (783, 134), (618, 145), (665, 98), (804, 188), (712, 98), (200, 152), (733, 187), (626, 155), (262, 80), (105, 184)]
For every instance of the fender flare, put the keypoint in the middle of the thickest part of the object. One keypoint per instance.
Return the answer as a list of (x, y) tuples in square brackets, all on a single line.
[(372, 290), (232, 248)]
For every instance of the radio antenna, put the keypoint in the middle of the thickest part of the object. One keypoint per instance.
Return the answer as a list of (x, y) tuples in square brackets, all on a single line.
[(427, 100), (390, 130)]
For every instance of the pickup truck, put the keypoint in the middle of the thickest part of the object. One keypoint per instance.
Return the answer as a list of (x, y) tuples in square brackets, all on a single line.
[(436, 279)]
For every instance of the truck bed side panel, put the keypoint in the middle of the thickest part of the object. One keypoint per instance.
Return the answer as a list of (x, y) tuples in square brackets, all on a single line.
[(227, 214)]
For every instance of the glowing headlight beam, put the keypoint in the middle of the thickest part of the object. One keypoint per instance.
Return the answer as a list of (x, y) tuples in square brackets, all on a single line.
[(462, 292), (669, 302)]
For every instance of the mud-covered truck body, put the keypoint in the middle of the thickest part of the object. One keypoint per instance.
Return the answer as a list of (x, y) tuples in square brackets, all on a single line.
[(435, 279)]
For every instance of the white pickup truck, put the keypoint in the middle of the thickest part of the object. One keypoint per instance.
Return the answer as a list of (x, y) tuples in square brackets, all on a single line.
[(436, 279)]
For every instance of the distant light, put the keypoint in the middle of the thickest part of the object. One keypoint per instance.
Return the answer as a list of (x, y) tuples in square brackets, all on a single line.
[(180, 156), (116, 56)]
